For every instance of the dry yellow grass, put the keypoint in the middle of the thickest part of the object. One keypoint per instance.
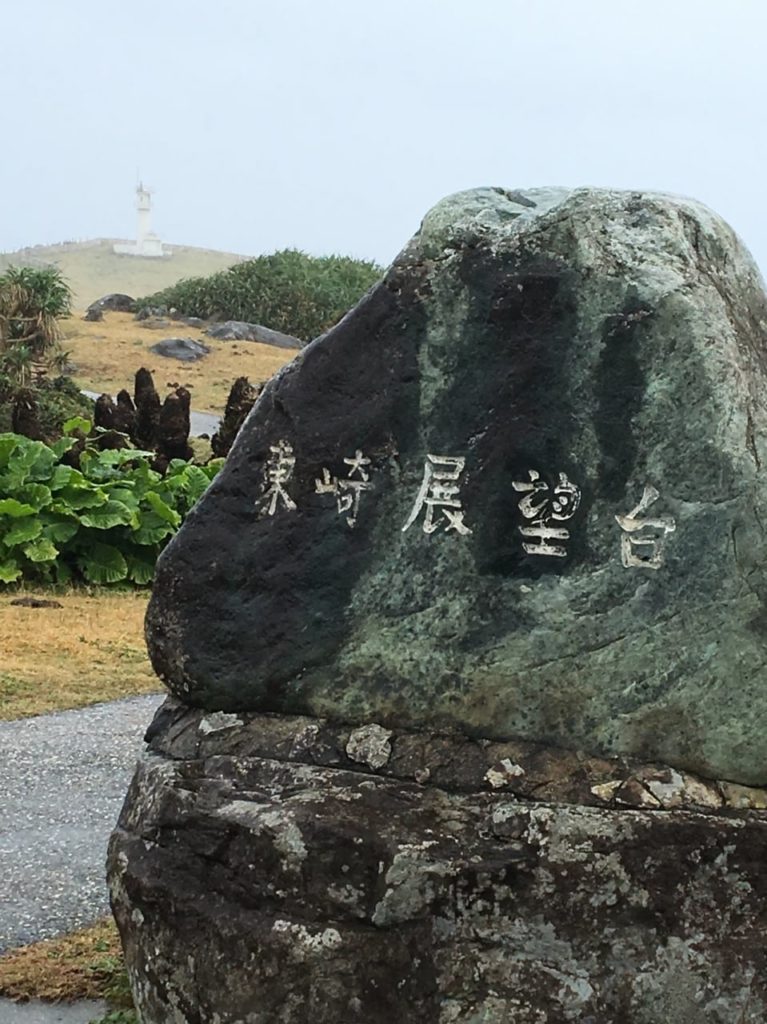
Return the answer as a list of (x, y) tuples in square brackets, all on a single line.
[(92, 269), (87, 964), (107, 355), (90, 650)]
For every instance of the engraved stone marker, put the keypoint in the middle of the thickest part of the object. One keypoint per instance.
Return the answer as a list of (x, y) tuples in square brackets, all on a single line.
[(504, 520), (518, 491)]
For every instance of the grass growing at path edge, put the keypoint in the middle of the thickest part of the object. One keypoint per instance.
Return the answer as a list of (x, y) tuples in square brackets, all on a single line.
[(87, 964), (89, 650)]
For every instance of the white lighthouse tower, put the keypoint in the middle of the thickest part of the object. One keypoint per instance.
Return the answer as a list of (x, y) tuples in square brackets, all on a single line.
[(147, 242)]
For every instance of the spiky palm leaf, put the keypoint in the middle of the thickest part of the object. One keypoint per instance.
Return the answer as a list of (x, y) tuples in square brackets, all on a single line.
[(31, 301), (17, 363)]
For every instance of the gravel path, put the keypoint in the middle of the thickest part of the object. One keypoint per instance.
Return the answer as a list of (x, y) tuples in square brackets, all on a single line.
[(64, 777), (50, 1013)]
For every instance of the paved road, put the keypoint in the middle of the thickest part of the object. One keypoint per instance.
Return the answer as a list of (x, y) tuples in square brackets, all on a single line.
[(199, 422), (64, 777), (81, 1012)]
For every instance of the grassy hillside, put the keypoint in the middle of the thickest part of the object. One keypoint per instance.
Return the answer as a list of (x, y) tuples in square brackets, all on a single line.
[(107, 354), (92, 269), (88, 650)]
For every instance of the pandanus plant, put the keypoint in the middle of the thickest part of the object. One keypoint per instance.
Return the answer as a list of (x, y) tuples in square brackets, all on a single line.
[(32, 301)]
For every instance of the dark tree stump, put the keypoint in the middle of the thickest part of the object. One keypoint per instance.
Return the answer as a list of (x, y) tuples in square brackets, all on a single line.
[(125, 414), (241, 399), (174, 426), (104, 412), (25, 417), (146, 432)]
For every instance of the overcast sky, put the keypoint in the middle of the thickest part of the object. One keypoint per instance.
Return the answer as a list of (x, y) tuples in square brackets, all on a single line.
[(333, 125)]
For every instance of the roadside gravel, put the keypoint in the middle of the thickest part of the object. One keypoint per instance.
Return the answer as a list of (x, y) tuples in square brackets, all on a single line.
[(63, 779)]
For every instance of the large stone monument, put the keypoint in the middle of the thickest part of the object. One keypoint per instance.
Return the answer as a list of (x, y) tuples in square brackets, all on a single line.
[(467, 648)]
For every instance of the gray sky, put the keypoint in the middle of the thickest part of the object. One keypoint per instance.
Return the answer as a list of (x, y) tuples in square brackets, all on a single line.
[(334, 125)]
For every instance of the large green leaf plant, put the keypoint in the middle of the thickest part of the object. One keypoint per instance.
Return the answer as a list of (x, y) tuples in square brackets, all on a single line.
[(104, 522)]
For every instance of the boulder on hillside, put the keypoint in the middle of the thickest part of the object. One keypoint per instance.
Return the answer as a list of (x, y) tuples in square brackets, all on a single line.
[(150, 312), (156, 323), (238, 330), (186, 349), (114, 302), (190, 321), (517, 491)]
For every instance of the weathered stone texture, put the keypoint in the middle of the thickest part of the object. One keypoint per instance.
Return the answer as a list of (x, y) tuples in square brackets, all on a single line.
[(616, 338), (263, 873)]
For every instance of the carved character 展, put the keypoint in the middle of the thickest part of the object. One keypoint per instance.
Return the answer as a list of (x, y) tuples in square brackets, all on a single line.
[(439, 495)]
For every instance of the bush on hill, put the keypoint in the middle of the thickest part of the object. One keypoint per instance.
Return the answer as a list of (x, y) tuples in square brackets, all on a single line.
[(288, 291)]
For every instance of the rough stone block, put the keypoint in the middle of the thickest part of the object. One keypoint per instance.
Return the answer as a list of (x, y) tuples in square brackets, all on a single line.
[(272, 870)]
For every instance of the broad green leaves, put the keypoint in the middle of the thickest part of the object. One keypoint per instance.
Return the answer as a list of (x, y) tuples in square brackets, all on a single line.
[(40, 550), (9, 571), (22, 531), (103, 564), (77, 425), (31, 461), (163, 510), (14, 508), (111, 513), (105, 522)]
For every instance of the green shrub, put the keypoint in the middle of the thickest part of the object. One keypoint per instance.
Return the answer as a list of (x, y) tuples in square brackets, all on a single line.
[(58, 400), (32, 301), (288, 291), (105, 522)]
